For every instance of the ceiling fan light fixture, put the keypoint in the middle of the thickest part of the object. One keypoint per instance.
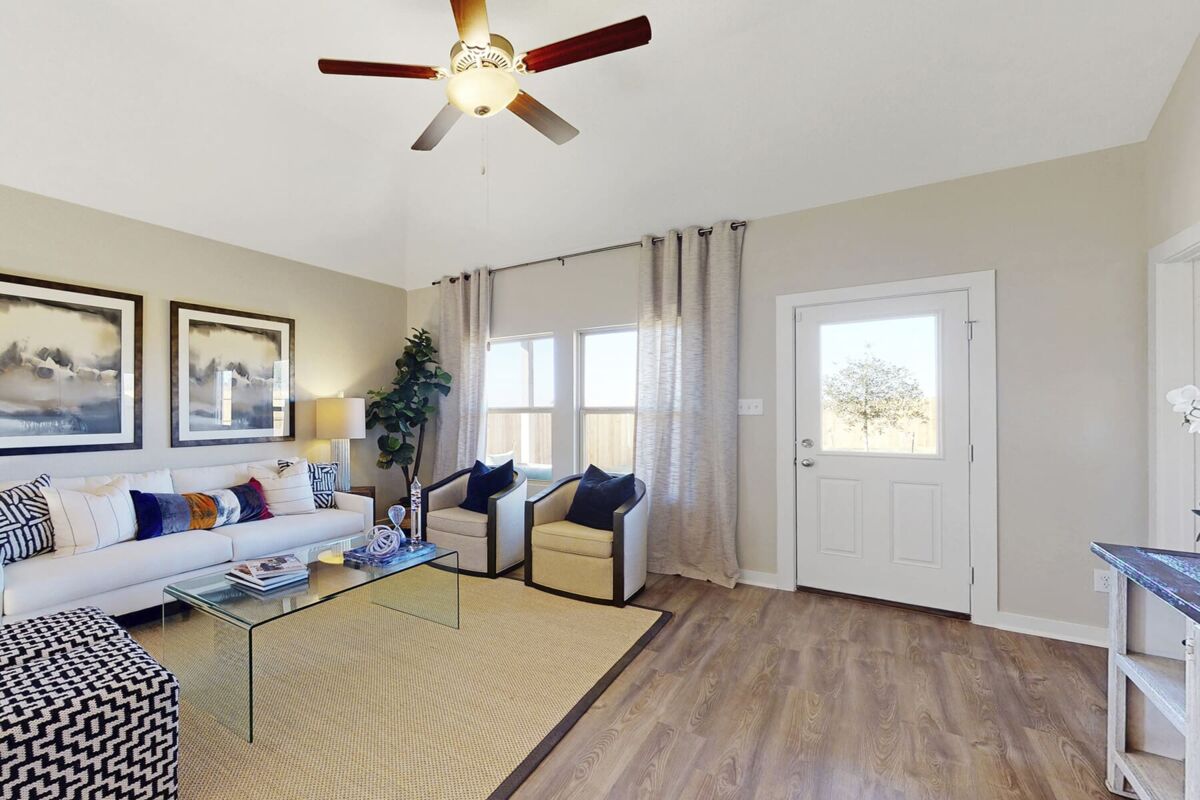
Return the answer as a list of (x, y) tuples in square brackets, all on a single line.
[(482, 91)]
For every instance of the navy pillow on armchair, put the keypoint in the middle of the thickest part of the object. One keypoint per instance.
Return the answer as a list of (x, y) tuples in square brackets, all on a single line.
[(484, 483), (598, 496)]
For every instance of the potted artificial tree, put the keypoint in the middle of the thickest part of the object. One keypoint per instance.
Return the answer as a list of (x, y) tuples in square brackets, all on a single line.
[(404, 408)]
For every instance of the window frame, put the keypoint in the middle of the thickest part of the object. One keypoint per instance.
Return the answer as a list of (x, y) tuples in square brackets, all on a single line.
[(530, 409), (582, 410)]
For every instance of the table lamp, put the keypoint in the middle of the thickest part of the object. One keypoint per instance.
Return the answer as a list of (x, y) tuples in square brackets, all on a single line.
[(340, 419)]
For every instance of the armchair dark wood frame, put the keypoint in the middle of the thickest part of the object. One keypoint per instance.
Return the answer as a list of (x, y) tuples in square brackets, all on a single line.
[(618, 545), (519, 479)]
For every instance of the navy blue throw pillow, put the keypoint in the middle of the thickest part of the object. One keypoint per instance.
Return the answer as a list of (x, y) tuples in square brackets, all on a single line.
[(484, 483), (598, 496)]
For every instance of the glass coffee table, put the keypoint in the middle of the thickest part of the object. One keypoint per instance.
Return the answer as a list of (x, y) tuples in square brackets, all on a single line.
[(212, 652)]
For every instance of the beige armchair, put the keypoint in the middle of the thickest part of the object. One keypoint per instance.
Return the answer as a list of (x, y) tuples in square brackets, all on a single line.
[(585, 563), (488, 544)]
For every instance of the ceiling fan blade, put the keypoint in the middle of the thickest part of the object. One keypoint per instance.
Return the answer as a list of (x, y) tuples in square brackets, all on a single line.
[(545, 121), (471, 18), (437, 129), (601, 42), (332, 66)]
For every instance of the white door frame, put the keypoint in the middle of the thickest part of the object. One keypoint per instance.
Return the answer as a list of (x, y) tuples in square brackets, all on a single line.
[(981, 305), (1173, 289)]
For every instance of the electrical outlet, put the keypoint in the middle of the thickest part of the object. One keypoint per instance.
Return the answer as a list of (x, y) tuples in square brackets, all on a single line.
[(1102, 580), (750, 408)]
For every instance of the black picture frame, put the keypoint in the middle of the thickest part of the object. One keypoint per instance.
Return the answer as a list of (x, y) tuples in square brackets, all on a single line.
[(130, 329), (182, 437)]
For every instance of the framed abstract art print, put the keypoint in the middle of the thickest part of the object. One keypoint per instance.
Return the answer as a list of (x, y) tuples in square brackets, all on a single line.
[(70, 368), (232, 376)]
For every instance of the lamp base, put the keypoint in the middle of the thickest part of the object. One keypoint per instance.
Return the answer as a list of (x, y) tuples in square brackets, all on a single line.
[(339, 453)]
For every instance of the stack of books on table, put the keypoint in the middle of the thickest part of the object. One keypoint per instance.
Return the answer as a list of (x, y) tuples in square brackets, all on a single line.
[(268, 574)]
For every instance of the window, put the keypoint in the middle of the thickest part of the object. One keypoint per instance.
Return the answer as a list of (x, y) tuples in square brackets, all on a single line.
[(520, 399), (608, 398), (879, 385)]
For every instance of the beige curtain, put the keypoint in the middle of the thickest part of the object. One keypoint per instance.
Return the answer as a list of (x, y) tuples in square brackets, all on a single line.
[(466, 303), (687, 400)]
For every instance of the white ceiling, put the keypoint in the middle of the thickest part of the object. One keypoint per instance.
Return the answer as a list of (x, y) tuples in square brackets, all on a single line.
[(211, 117)]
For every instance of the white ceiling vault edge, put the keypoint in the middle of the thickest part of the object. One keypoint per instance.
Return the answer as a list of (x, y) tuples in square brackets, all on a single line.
[(211, 118)]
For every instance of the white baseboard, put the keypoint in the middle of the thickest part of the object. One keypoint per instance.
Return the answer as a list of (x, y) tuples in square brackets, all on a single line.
[(765, 579), (1049, 628), (1005, 620)]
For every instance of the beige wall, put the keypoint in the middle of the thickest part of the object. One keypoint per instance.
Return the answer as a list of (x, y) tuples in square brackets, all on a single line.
[(1173, 158), (1066, 239), (348, 330)]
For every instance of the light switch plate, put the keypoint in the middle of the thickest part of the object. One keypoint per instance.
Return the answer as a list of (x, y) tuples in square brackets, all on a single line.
[(1102, 580), (750, 408)]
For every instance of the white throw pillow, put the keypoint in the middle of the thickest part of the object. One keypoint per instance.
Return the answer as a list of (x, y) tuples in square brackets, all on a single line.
[(87, 521), (288, 490)]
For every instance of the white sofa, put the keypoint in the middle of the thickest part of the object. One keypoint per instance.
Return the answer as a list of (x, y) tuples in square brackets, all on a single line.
[(129, 576)]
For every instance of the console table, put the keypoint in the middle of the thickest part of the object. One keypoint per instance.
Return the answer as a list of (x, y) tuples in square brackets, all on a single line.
[(1171, 685)]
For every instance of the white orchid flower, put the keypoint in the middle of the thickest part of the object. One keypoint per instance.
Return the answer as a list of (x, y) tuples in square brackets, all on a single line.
[(1183, 396)]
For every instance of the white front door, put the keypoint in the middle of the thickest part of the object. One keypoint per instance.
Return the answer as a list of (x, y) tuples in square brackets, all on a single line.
[(883, 449)]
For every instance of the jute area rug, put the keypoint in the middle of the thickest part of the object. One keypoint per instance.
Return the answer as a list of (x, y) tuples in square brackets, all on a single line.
[(355, 701)]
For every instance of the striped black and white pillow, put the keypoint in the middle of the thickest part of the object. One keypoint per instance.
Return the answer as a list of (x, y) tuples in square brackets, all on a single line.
[(25, 527), (323, 478)]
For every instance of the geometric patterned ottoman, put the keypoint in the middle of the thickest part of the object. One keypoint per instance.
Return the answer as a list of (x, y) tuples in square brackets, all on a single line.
[(85, 712)]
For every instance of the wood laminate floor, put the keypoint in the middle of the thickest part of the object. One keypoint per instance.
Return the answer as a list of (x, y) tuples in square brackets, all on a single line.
[(757, 693)]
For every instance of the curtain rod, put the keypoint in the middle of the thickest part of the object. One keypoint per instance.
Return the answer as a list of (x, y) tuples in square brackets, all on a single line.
[(741, 223)]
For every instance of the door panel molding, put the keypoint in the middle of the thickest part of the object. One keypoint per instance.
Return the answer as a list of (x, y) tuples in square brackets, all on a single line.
[(981, 292), (931, 505), (842, 518)]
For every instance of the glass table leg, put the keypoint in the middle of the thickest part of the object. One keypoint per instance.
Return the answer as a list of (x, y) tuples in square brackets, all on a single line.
[(430, 591), (213, 659)]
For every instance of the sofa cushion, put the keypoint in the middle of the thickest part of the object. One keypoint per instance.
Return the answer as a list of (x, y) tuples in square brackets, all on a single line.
[(91, 520), (323, 478), (264, 537), (201, 479), (158, 480), (25, 526), (288, 490), (457, 519), (162, 514), (570, 537), (46, 581)]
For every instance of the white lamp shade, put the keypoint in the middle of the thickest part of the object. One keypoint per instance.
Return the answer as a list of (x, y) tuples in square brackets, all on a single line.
[(341, 418), (482, 91)]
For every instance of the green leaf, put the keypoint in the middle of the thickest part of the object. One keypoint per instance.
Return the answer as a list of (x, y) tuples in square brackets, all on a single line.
[(406, 405)]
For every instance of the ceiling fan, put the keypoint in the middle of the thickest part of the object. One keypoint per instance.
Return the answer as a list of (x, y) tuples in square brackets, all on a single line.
[(483, 69)]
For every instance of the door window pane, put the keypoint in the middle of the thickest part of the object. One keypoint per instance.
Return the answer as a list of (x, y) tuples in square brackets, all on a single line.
[(879, 386)]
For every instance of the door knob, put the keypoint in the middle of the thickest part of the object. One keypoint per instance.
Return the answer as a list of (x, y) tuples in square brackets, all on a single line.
[(806, 462)]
